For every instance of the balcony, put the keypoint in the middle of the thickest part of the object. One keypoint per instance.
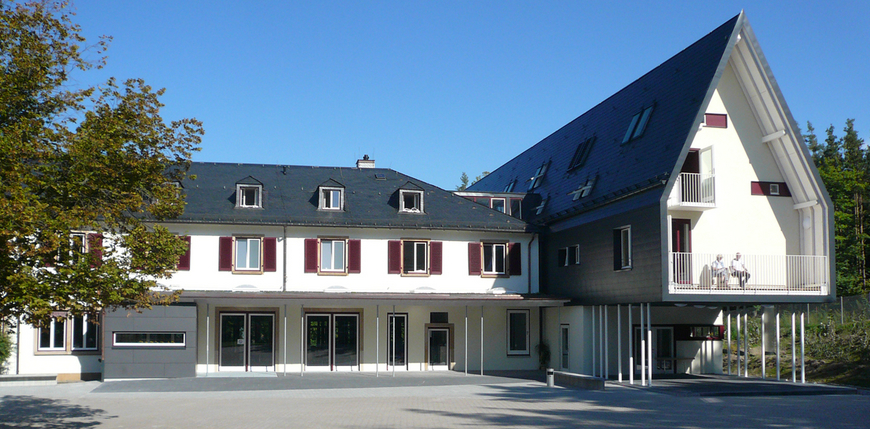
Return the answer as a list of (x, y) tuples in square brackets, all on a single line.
[(693, 191), (691, 273)]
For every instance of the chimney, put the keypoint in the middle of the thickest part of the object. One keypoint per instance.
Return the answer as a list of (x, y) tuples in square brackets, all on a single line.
[(365, 162)]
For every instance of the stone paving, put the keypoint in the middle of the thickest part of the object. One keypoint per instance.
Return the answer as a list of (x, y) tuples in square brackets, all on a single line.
[(409, 400)]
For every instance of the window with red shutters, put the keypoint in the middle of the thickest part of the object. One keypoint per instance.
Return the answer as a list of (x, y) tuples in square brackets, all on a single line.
[(311, 257), (184, 260), (394, 257), (515, 264), (474, 268), (354, 264), (435, 266), (225, 254), (270, 259)]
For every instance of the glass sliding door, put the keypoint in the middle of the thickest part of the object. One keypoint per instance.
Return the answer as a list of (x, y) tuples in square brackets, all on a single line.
[(247, 342), (332, 342), (398, 326), (317, 342), (261, 345), (232, 353), (439, 350), (345, 349)]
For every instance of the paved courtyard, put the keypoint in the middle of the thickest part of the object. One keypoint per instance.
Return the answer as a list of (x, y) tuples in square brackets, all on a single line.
[(409, 400)]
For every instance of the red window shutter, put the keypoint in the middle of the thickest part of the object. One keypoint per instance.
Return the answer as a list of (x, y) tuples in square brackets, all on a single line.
[(474, 268), (225, 254), (756, 188), (435, 257), (95, 246), (716, 120), (270, 259), (311, 255), (394, 257), (354, 265), (515, 263), (184, 260)]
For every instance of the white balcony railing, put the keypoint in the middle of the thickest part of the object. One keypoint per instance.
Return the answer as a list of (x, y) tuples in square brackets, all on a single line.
[(692, 273), (693, 190)]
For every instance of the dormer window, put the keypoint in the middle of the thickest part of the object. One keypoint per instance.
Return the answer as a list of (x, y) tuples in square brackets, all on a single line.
[(637, 125), (536, 180), (331, 198), (249, 196), (410, 201), (581, 153)]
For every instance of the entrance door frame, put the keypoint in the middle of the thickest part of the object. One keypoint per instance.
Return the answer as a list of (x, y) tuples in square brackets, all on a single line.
[(451, 361), (401, 367), (332, 361), (247, 313), (664, 364), (564, 350)]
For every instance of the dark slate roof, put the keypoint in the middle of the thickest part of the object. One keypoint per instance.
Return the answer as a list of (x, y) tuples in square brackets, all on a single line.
[(290, 197), (678, 89)]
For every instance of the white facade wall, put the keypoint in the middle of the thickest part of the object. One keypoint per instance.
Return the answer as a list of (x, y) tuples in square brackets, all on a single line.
[(741, 222), (34, 362)]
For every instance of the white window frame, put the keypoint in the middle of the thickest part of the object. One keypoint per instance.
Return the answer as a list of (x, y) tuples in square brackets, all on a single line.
[(343, 261), (417, 245), (418, 198), (774, 189), (240, 196), (327, 200), (519, 211), (67, 333), (494, 258), (116, 343), (638, 125), (53, 332), (510, 186), (85, 333), (518, 352), (538, 177), (625, 247), (247, 240), (503, 204), (576, 260)]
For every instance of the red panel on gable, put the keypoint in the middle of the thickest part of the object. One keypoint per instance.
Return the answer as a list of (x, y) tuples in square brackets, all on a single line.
[(716, 120)]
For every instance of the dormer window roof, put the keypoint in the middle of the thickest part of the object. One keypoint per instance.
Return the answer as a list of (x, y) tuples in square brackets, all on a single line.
[(249, 193), (411, 198), (637, 125), (331, 196)]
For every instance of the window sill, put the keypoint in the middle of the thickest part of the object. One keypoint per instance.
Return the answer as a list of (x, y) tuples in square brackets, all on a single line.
[(66, 353), (495, 276), (415, 274), (247, 271), (518, 354), (332, 273)]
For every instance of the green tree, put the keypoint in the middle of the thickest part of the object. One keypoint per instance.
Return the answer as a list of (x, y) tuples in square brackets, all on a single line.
[(97, 159), (463, 180)]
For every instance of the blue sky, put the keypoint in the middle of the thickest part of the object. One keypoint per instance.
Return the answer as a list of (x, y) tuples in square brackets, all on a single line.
[(433, 89)]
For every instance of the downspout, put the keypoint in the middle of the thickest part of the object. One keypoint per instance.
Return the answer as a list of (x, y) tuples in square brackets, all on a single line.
[(284, 257)]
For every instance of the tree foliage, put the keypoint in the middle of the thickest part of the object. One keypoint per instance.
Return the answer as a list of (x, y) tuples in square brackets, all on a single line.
[(463, 180), (843, 166), (97, 159)]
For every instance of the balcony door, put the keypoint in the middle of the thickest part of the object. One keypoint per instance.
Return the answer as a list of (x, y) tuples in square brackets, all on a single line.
[(681, 245)]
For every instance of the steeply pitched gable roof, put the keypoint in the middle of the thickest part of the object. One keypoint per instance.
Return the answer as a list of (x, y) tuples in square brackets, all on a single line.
[(290, 198), (677, 90)]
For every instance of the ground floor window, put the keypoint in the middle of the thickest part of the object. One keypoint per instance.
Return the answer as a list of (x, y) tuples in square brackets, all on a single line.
[(518, 332), (247, 341), (397, 340), (67, 334), (332, 341), (563, 344)]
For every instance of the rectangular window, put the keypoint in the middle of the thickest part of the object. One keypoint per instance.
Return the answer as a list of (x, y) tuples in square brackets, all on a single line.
[(498, 204), (249, 196), (148, 339), (494, 258), (622, 248), (536, 180), (85, 333), (68, 334), (770, 189), (53, 336), (247, 254), (518, 332), (774, 189), (332, 255), (563, 257), (330, 199), (638, 125), (510, 186), (411, 201), (517, 208), (414, 257), (574, 255), (716, 120), (581, 153)]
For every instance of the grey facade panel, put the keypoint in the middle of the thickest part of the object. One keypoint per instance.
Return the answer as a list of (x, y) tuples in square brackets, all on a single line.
[(595, 281), (145, 361)]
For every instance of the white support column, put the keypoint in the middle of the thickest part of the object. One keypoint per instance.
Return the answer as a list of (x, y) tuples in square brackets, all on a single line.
[(631, 368), (746, 343), (466, 340), (393, 340), (378, 340), (793, 359), (649, 345), (481, 340), (729, 342), (803, 356), (601, 342), (763, 349), (606, 346), (777, 345), (301, 340), (643, 338), (737, 340), (207, 336), (619, 339), (594, 362), (284, 335)]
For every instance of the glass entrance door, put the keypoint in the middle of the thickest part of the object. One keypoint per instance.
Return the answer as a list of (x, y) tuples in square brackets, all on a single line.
[(398, 326), (332, 342), (662, 349), (439, 350), (563, 344), (247, 342)]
